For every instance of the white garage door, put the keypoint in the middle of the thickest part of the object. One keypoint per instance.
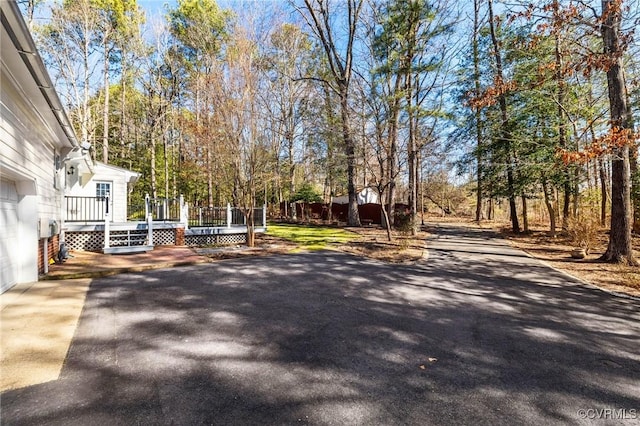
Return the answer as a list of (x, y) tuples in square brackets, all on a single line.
[(8, 233)]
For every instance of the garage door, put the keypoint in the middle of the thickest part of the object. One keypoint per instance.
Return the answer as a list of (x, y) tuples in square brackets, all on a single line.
[(8, 233)]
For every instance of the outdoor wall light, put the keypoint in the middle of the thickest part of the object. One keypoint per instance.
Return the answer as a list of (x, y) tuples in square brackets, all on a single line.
[(71, 170)]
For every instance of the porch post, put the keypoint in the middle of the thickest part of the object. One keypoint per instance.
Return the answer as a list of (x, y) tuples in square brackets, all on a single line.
[(165, 208), (150, 229), (146, 205), (45, 254), (228, 215), (184, 212), (106, 225), (264, 215)]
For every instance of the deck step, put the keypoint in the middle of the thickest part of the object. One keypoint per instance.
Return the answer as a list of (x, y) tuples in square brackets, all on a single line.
[(126, 249)]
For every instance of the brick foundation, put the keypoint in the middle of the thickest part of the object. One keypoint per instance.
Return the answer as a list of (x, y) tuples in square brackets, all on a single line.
[(179, 236), (52, 249)]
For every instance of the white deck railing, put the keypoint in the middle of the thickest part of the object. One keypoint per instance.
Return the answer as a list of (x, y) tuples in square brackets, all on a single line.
[(96, 210)]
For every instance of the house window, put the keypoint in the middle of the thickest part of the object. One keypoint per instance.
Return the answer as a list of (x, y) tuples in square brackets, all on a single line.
[(103, 189)]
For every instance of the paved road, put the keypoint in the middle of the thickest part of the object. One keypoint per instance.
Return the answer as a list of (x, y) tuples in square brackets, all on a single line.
[(477, 334)]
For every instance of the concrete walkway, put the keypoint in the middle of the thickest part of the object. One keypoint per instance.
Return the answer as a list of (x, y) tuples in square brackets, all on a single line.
[(37, 323), (38, 320)]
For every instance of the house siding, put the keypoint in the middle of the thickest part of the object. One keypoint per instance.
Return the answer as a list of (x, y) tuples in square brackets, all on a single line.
[(28, 147)]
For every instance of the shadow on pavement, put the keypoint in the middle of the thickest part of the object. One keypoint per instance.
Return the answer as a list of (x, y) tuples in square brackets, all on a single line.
[(330, 338)]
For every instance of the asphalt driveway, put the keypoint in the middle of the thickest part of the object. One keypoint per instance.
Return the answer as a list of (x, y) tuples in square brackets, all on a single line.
[(478, 333)]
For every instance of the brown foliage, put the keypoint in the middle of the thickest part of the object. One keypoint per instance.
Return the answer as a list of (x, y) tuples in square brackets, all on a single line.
[(491, 95), (615, 138)]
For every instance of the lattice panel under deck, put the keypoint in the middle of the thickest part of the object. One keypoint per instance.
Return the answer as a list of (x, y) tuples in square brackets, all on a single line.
[(164, 237), (84, 241), (207, 240), (232, 239)]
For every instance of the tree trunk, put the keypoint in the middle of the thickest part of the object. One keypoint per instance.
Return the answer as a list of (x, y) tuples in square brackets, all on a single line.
[(525, 213), (154, 183), (392, 161), (349, 146), (619, 248), (105, 113), (477, 92), (386, 223), (174, 169), (635, 191), (123, 114), (292, 170), (406, 68), (84, 121), (513, 211), (412, 147), (549, 203), (603, 192), (566, 202), (31, 5), (505, 136), (251, 231), (412, 160), (562, 126), (341, 68), (165, 156), (576, 195), (413, 204)]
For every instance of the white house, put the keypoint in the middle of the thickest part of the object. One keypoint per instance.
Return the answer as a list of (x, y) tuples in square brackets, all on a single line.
[(37, 149), (86, 193)]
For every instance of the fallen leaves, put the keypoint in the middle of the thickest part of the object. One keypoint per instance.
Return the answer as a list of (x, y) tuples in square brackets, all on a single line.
[(431, 360)]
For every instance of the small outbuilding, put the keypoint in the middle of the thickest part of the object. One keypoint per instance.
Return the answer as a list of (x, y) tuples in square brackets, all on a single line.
[(367, 195), (87, 193)]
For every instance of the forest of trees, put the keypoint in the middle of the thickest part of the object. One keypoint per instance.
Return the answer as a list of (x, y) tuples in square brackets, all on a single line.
[(525, 100)]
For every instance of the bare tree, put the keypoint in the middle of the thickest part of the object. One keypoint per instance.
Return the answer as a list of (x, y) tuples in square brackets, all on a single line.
[(288, 57), (242, 144), (318, 16), (69, 40)]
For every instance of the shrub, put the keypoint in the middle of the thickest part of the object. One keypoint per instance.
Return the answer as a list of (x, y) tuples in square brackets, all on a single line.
[(403, 222), (583, 231)]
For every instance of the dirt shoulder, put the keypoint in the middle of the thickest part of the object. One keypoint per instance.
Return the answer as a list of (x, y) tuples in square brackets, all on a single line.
[(372, 242), (557, 253)]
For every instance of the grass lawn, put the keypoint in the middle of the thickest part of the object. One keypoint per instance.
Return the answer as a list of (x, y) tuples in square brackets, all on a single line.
[(311, 237)]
